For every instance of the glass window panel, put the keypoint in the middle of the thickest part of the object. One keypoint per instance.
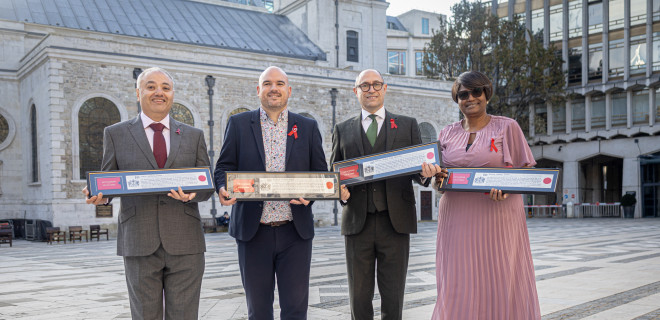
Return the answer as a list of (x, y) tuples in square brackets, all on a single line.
[(595, 17), (182, 114), (616, 14), (619, 109), (419, 58), (425, 26), (396, 62), (537, 21), (598, 112), (4, 129), (541, 119), (559, 118), (616, 58), (556, 22), (33, 145), (637, 12), (640, 108), (237, 111), (595, 61), (656, 10), (428, 132), (575, 65), (575, 19), (638, 54), (656, 51), (578, 114), (657, 104), (95, 114)]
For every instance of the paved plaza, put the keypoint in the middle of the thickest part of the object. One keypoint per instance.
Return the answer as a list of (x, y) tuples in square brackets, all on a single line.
[(585, 269)]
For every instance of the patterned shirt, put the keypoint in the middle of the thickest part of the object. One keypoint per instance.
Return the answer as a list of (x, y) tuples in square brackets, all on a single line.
[(274, 135)]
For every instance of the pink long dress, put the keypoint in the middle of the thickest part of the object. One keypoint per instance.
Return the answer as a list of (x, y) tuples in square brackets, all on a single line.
[(484, 267)]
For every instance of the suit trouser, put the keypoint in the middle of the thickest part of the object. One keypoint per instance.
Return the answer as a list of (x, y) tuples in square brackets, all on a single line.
[(378, 247), (276, 253), (176, 279)]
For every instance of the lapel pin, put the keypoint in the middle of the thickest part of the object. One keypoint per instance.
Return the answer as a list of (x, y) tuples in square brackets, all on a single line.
[(294, 132), (178, 131), (393, 124)]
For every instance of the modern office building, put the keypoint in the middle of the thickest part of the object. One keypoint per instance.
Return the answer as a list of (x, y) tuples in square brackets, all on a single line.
[(606, 137)]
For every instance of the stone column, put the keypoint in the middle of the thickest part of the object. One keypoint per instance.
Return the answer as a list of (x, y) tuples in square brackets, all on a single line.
[(629, 114), (587, 113), (630, 181), (548, 112), (570, 180), (569, 115)]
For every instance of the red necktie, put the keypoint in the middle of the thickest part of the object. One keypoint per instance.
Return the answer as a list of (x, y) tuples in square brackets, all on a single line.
[(160, 150)]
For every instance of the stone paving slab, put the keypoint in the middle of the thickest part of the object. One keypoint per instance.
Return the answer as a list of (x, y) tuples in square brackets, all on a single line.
[(585, 269)]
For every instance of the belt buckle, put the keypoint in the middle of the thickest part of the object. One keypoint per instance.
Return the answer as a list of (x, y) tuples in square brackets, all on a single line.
[(276, 223)]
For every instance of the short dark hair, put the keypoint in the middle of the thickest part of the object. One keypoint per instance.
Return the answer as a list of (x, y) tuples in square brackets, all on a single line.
[(471, 80)]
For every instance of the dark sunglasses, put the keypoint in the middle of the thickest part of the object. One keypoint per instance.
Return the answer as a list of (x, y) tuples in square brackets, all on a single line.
[(476, 93)]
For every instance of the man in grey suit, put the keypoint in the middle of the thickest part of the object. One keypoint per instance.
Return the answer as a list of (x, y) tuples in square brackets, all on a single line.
[(159, 236), (378, 217)]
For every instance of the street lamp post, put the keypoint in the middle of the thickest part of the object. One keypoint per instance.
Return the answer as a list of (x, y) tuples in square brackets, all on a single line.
[(333, 101), (210, 82), (136, 74)]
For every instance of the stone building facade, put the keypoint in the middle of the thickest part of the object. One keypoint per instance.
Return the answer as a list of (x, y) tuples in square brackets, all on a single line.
[(49, 72)]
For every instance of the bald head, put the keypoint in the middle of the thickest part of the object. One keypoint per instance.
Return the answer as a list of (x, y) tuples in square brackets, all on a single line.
[(273, 90), (273, 69), (362, 74), (146, 72)]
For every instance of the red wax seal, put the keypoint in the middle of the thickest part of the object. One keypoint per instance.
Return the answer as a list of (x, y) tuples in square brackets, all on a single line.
[(329, 185), (429, 155), (547, 180), (202, 178)]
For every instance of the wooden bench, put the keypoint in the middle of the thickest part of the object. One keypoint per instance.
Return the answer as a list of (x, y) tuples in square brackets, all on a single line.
[(76, 233), (95, 231), (54, 234), (7, 234)]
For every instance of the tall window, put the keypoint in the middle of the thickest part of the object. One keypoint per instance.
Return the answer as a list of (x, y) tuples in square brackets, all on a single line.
[(637, 12), (419, 65), (638, 54), (268, 4), (537, 21), (578, 114), (396, 62), (595, 61), (616, 58), (425, 26), (95, 114), (182, 114), (4, 129), (619, 109), (428, 132), (598, 111), (656, 10), (575, 19), (559, 118), (541, 119), (616, 14), (34, 159), (640, 107), (656, 50), (575, 65), (595, 17), (352, 53), (556, 22)]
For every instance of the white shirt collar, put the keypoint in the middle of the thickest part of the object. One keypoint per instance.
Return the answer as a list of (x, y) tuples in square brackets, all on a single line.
[(146, 121), (380, 113)]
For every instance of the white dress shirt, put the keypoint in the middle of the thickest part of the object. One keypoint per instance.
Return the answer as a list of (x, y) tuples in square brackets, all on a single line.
[(146, 121), (380, 118)]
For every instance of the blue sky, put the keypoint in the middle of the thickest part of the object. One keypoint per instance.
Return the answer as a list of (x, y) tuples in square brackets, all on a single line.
[(398, 7)]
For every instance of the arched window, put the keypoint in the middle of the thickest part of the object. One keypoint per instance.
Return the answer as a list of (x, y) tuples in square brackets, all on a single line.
[(95, 114), (307, 115), (4, 129), (428, 132), (34, 156), (182, 114), (352, 53), (237, 111)]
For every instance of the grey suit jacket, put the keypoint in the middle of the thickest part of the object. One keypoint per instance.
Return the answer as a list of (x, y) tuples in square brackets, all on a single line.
[(347, 144), (146, 222)]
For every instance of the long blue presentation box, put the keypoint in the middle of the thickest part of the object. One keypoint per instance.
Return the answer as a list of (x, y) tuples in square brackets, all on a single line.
[(143, 182), (389, 164), (509, 180)]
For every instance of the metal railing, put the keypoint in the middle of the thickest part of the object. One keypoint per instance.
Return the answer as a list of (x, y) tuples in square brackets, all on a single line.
[(545, 211), (598, 210)]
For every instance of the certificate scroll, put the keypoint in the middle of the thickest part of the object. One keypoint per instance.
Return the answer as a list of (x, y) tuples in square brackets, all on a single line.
[(509, 180), (387, 164), (259, 186), (143, 182)]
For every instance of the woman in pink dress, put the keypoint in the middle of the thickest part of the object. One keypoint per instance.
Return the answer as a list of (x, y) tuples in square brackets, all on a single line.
[(484, 267)]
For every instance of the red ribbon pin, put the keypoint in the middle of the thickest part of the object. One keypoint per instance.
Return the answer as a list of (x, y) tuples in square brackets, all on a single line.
[(178, 131), (492, 145), (393, 124), (294, 132)]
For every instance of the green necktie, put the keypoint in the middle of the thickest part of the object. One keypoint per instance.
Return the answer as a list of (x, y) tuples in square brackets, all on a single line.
[(372, 131)]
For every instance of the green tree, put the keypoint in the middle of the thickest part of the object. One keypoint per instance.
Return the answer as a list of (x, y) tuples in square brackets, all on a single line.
[(521, 69)]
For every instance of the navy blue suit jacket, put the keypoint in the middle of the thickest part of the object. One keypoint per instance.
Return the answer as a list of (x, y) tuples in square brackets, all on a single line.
[(243, 150)]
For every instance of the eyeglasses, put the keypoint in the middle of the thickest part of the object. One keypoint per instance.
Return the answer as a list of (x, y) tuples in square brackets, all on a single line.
[(365, 86), (476, 93)]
